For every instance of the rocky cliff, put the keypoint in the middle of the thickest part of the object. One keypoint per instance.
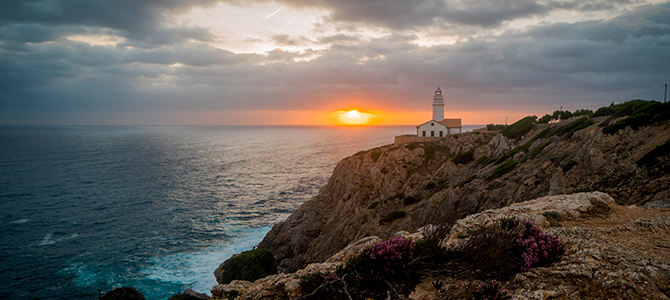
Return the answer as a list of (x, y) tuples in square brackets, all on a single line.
[(613, 252), (468, 173)]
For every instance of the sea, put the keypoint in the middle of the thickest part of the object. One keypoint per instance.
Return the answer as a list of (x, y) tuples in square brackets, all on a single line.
[(86, 209)]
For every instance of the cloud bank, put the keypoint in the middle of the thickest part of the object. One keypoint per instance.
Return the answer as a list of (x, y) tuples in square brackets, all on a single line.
[(63, 58)]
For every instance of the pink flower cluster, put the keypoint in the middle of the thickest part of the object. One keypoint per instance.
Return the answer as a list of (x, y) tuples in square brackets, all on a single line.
[(394, 252), (538, 248), (489, 290)]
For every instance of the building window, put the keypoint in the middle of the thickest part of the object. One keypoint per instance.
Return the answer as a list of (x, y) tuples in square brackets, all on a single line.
[(441, 133), (424, 133), (432, 133)]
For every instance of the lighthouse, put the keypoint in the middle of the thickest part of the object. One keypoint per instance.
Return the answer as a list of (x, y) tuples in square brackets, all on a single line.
[(439, 126)]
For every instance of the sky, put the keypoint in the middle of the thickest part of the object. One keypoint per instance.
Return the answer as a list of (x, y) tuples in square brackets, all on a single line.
[(299, 62)]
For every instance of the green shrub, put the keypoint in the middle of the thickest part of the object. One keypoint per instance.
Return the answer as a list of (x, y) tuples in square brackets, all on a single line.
[(582, 112), (429, 152), (503, 169), (373, 205), (537, 150), (464, 157), (545, 119), (491, 289), (570, 128), (123, 293), (552, 214), (519, 128), (399, 195), (390, 217), (248, 265), (491, 127), (568, 166), (411, 200), (466, 181), (543, 134), (485, 160), (649, 159), (641, 116)]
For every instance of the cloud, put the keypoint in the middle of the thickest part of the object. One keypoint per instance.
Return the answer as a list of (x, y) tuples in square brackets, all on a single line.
[(165, 66), (146, 22)]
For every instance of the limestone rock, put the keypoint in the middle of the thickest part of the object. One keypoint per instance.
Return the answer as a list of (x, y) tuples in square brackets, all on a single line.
[(498, 146), (365, 187)]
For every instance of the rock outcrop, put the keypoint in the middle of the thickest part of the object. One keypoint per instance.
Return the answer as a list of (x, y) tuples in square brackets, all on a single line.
[(454, 176), (613, 251)]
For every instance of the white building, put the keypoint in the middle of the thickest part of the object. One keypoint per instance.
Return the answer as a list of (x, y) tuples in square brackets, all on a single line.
[(439, 126)]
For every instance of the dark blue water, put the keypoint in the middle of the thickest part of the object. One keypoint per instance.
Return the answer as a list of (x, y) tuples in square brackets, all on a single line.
[(156, 208)]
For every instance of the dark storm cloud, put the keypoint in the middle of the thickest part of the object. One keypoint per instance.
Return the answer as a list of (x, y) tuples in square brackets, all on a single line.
[(173, 71), (139, 21)]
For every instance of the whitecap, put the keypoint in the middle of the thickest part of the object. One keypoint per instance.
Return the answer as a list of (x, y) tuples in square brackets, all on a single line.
[(47, 240), (194, 269), (21, 221)]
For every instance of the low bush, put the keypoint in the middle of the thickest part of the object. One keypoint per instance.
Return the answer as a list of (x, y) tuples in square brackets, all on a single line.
[(411, 146), (393, 267), (399, 195), (491, 289), (519, 128), (552, 214), (537, 150), (464, 157), (466, 181), (503, 169), (491, 127), (537, 248), (248, 265), (485, 160), (430, 186), (390, 217), (649, 159), (570, 128), (373, 205), (569, 165), (411, 200)]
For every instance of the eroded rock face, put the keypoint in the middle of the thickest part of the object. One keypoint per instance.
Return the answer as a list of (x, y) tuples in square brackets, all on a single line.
[(612, 251), (366, 187)]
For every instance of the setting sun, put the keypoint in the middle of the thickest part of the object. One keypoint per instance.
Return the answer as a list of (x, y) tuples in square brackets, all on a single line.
[(354, 117)]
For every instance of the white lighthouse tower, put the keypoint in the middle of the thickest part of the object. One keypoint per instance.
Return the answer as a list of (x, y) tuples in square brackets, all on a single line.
[(438, 105), (439, 126)]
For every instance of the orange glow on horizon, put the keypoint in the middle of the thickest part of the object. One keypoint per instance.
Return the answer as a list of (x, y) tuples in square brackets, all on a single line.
[(355, 117), (316, 117)]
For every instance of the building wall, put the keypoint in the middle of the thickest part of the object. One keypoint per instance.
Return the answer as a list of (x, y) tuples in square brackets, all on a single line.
[(436, 128)]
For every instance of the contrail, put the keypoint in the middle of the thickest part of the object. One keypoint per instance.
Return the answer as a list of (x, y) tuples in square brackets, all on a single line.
[(266, 17)]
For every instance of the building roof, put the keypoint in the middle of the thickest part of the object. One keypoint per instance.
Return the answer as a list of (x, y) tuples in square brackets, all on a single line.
[(451, 123)]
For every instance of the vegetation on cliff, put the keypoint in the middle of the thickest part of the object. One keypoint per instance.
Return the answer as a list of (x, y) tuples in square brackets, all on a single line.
[(248, 265), (393, 267)]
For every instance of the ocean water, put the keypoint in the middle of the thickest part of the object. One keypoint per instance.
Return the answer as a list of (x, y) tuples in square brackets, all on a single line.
[(84, 209)]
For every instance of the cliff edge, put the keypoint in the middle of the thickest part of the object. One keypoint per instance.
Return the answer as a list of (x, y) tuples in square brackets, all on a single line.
[(403, 187)]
